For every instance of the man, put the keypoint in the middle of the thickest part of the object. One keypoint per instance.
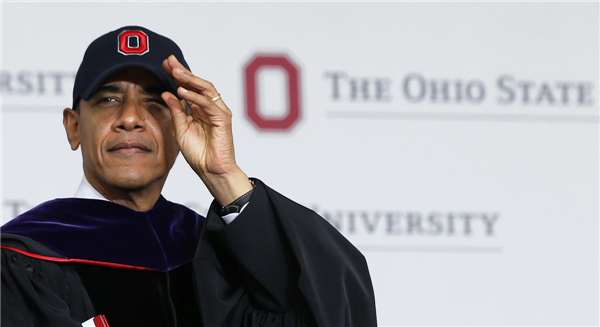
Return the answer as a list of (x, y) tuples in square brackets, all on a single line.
[(122, 255)]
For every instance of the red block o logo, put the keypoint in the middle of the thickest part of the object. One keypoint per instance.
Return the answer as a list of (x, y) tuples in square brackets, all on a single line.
[(133, 43), (293, 96)]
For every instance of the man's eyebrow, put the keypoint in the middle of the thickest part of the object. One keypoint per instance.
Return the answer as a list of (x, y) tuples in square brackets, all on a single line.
[(152, 90)]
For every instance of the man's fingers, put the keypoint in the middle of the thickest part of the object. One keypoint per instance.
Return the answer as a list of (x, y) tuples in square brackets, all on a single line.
[(177, 111), (213, 110), (167, 68), (198, 113), (194, 82), (174, 63), (183, 75), (201, 86), (178, 71), (184, 78)]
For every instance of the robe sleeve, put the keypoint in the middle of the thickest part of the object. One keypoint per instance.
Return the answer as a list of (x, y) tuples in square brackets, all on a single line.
[(37, 292), (280, 264)]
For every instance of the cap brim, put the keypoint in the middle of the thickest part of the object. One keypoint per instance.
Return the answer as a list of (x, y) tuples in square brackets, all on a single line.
[(165, 79)]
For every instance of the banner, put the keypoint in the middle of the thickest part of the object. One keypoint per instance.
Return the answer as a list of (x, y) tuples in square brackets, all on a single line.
[(455, 144)]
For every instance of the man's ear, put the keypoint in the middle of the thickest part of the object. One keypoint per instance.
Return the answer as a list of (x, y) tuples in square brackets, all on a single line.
[(71, 123)]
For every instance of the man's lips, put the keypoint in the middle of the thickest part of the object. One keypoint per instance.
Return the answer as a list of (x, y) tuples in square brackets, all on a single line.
[(129, 148)]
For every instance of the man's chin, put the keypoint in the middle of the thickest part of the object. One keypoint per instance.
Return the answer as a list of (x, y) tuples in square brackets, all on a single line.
[(131, 182)]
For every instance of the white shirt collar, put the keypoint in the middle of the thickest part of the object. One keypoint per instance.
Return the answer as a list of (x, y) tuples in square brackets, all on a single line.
[(87, 191)]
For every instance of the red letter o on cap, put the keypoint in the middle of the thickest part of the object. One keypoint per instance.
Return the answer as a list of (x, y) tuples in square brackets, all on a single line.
[(293, 115), (133, 43)]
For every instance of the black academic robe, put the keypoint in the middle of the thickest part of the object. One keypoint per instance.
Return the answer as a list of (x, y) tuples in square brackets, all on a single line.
[(277, 264)]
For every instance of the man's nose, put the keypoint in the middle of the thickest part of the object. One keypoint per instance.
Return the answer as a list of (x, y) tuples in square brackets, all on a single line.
[(132, 116)]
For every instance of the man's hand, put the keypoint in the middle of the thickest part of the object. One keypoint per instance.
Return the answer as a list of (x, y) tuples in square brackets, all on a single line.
[(205, 137)]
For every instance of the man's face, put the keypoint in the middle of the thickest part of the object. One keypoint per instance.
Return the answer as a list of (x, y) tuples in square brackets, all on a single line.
[(126, 133)]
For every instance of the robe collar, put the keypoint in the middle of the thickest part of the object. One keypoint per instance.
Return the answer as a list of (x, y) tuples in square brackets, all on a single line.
[(162, 238)]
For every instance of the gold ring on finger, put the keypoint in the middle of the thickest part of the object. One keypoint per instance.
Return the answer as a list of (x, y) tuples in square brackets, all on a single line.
[(216, 98)]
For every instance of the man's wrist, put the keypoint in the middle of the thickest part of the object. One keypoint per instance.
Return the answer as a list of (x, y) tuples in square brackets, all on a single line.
[(226, 188), (238, 204)]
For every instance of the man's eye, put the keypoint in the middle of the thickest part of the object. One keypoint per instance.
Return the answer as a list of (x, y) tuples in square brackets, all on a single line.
[(108, 99)]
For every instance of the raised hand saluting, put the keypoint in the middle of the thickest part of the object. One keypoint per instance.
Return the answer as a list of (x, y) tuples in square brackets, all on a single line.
[(204, 136)]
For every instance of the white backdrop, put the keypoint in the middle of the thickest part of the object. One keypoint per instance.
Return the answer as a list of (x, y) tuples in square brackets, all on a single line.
[(455, 144)]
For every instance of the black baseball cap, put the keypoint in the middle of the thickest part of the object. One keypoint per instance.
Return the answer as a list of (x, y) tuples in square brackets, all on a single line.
[(128, 46)]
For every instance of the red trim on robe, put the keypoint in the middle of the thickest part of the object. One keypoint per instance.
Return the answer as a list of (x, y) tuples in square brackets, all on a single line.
[(91, 262)]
